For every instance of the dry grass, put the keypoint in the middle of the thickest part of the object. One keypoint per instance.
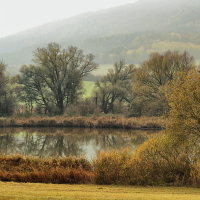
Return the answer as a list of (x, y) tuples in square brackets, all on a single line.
[(45, 170), (22, 191), (87, 122), (147, 166)]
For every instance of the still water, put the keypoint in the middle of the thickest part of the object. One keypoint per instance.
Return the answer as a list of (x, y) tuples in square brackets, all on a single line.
[(46, 142)]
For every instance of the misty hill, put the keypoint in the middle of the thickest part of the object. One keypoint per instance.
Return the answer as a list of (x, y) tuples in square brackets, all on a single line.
[(131, 31)]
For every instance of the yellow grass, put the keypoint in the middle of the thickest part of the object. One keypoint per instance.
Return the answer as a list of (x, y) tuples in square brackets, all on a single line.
[(87, 122), (22, 191)]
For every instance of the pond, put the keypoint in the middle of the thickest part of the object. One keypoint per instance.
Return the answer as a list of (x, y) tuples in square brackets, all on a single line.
[(46, 142)]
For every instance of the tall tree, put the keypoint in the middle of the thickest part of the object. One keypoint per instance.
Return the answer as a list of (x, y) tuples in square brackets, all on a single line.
[(153, 74), (183, 96), (6, 97), (183, 120), (32, 89), (115, 86), (57, 74)]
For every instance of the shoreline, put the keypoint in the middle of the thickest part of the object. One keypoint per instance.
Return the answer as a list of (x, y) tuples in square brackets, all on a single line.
[(140, 123)]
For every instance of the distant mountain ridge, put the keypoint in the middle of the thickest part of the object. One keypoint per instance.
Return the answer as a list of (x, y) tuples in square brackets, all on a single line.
[(120, 26)]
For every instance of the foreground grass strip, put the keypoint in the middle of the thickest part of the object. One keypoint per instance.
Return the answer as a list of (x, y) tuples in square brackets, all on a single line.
[(24, 191)]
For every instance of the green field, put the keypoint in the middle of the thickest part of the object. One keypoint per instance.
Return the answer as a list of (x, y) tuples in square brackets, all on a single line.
[(22, 191), (88, 87), (102, 69)]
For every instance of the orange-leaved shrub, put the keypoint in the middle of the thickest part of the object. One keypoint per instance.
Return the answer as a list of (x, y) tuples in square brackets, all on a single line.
[(159, 161), (45, 170), (163, 163), (113, 167)]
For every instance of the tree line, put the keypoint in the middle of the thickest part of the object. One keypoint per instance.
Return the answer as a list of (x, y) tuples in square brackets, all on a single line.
[(53, 85)]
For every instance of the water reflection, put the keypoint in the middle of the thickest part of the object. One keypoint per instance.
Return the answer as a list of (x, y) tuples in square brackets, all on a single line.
[(67, 141)]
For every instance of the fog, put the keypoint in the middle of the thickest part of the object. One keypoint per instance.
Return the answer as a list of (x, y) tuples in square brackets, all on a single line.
[(16, 16), (124, 31)]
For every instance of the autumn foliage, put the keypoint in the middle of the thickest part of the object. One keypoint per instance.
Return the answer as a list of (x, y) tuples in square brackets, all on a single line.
[(157, 162), (52, 170), (183, 95)]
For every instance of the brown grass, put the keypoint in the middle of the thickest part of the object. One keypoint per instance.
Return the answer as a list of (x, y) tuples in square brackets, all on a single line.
[(24, 191), (87, 122), (33, 169), (147, 166)]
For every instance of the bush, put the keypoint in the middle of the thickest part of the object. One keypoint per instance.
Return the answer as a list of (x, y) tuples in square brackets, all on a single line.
[(52, 170), (85, 107), (164, 163), (157, 162), (113, 167)]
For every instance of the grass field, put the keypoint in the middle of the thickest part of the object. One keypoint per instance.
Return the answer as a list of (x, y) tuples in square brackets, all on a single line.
[(22, 191), (88, 87), (103, 69)]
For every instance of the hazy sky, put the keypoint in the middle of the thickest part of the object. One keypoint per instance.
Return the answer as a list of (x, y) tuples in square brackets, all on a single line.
[(18, 15)]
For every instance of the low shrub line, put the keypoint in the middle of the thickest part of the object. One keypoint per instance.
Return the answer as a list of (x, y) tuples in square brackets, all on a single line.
[(155, 163), (20, 168), (86, 122)]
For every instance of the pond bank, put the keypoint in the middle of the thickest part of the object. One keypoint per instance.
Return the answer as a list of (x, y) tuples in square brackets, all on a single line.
[(85, 122)]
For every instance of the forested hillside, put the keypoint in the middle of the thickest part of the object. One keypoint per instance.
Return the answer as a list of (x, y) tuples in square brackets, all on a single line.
[(129, 32)]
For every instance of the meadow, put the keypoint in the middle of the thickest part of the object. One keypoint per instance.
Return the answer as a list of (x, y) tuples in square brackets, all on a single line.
[(22, 191), (88, 88), (102, 69)]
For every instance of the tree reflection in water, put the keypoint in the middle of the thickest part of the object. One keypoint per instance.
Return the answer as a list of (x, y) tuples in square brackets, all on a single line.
[(45, 142)]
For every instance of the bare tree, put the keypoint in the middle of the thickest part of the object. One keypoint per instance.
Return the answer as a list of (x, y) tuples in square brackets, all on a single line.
[(6, 95), (56, 77), (115, 86), (153, 74)]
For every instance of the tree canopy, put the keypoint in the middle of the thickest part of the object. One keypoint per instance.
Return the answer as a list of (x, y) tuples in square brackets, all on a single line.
[(183, 96), (6, 95), (56, 77), (154, 73), (115, 86)]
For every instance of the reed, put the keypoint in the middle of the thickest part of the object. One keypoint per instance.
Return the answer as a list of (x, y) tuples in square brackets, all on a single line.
[(87, 122), (45, 170)]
